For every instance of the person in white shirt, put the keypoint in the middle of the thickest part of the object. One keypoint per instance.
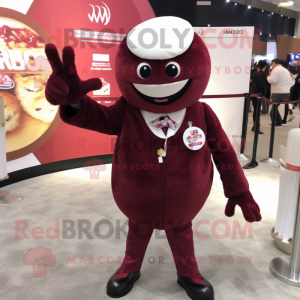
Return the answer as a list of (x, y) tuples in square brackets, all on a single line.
[(281, 82)]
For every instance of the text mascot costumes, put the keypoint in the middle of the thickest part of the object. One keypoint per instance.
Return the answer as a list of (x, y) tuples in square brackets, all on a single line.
[(164, 134)]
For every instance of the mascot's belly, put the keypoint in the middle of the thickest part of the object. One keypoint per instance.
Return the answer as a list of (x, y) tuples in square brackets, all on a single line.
[(161, 195)]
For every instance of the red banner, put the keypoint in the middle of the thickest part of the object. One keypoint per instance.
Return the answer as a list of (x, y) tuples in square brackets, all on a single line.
[(95, 30)]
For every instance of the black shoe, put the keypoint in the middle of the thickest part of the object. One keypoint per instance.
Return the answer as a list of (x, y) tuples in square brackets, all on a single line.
[(119, 287), (277, 125), (196, 291), (258, 130), (283, 122)]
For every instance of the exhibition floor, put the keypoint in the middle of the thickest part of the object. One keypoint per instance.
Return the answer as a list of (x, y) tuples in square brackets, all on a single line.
[(235, 262)]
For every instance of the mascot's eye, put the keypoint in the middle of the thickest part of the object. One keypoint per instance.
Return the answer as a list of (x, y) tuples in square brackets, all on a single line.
[(143, 70), (173, 69)]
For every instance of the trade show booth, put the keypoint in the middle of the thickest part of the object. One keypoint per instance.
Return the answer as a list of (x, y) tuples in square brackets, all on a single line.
[(44, 140), (125, 145)]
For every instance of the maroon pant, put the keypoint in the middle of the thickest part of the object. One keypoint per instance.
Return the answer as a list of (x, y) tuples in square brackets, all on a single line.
[(180, 240)]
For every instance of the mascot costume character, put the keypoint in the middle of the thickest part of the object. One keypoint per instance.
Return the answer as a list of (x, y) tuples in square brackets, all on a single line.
[(164, 133)]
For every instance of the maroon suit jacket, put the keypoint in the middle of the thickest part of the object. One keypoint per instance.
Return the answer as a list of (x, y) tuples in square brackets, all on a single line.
[(169, 194)]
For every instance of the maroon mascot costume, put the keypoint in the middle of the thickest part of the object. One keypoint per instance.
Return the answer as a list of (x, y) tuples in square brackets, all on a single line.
[(164, 134)]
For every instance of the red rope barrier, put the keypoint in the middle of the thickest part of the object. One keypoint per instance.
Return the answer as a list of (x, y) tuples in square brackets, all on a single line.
[(285, 100), (288, 100), (268, 100), (223, 96)]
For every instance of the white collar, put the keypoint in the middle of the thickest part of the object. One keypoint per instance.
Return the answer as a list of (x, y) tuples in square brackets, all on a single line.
[(176, 116)]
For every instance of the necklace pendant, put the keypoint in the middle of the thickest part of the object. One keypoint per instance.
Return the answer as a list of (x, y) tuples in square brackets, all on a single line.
[(160, 153)]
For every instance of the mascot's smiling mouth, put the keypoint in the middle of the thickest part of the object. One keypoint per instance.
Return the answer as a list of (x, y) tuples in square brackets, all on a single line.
[(162, 94)]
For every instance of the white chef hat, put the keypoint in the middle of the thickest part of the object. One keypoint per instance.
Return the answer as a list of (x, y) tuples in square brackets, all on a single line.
[(160, 38)]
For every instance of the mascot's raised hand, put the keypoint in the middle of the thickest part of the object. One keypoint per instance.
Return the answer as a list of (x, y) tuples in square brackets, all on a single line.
[(64, 86)]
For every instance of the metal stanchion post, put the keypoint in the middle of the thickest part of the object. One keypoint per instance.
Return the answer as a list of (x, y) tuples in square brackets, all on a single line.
[(270, 161), (287, 269), (253, 163), (241, 155)]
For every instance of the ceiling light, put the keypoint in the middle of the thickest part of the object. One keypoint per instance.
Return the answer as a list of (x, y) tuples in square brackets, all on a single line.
[(235, 3), (262, 10), (285, 4), (271, 13), (249, 6), (227, 0), (208, 25), (282, 15)]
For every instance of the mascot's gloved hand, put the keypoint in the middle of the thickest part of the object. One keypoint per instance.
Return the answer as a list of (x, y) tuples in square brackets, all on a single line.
[(248, 205), (64, 86)]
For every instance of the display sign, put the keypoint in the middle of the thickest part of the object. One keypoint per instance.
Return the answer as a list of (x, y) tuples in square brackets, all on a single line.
[(35, 133), (3, 171), (230, 50)]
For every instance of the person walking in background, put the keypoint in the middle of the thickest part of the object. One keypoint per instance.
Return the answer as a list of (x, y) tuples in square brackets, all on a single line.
[(267, 90), (281, 82), (296, 73), (294, 69), (287, 108), (258, 85), (268, 87), (253, 67), (296, 94)]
